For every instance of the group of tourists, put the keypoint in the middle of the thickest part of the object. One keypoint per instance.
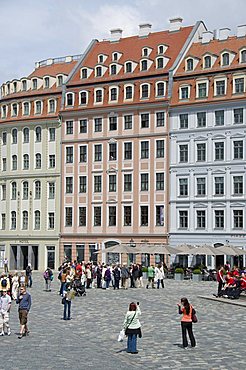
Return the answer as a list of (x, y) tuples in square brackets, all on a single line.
[(231, 282)]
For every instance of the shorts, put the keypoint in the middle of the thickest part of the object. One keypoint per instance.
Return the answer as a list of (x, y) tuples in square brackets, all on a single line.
[(23, 317)]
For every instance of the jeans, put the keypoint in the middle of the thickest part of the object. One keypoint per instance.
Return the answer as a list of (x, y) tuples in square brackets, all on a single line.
[(67, 307), (62, 288), (132, 343), (29, 283), (158, 283), (116, 284), (187, 326), (47, 284), (99, 281), (107, 283)]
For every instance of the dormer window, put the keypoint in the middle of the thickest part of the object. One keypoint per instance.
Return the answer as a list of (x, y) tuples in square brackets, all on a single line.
[(34, 84), (100, 58), (243, 56), (128, 67), (113, 69), (59, 80), (115, 56), (160, 49), (225, 59), (98, 71), (46, 82), (24, 85), (145, 52), (160, 63), (69, 99), (144, 65), (190, 64), (207, 62), (83, 97), (84, 73), (15, 87), (8, 86)]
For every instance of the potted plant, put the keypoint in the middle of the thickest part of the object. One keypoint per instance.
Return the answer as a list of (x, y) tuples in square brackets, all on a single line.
[(197, 275), (179, 273)]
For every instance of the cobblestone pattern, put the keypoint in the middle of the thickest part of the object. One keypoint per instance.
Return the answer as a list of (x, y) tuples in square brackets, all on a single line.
[(89, 340)]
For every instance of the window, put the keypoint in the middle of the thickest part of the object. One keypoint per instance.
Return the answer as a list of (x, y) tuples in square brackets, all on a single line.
[(219, 118), (220, 87), (24, 220), (84, 73), (159, 215), (183, 121), (144, 219), (160, 89), (69, 185), (128, 122), (160, 63), (145, 52), (113, 69), (144, 65), (38, 107), (113, 123), (3, 221), (4, 111), (113, 94), (144, 91), (97, 216), (24, 85), (37, 220), (14, 87), (183, 187), (69, 154), (82, 184), (69, 127), (99, 96), (184, 92), (128, 182), (238, 219), (127, 215), (219, 219), (14, 136), (26, 162), (98, 124), (83, 126), (207, 62), (238, 185), (69, 99), (38, 160), (4, 167), (159, 148), (112, 151), (52, 134), (100, 58), (14, 162), (112, 183), (219, 185), (59, 80), (238, 149), (225, 59), (127, 151), (4, 138), (25, 188), (201, 219), (201, 119), (238, 115), (37, 189), (190, 64), (112, 216), (83, 97), (243, 56), (144, 149), (34, 84), (183, 153), (201, 152), (68, 216), (26, 109), (160, 119), (128, 67), (183, 219), (26, 135), (98, 153), (159, 181), (83, 153), (144, 181), (52, 161), (82, 216), (52, 188), (38, 133), (98, 71), (129, 92), (4, 192), (97, 184), (14, 190), (239, 85), (160, 49), (51, 220), (46, 82), (52, 106), (13, 220), (202, 90), (14, 110), (219, 151), (144, 120)]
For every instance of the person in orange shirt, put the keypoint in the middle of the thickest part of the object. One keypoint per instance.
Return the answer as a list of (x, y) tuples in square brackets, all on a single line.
[(186, 308)]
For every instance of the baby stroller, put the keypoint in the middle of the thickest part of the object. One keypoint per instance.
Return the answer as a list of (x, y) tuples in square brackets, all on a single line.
[(79, 288)]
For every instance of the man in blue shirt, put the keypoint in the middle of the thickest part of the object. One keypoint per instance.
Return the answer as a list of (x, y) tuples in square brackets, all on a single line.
[(24, 301)]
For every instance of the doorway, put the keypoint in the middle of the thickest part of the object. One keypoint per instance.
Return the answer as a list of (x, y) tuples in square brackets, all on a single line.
[(112, 258), (51, 257), (13, 257), (23, 256)]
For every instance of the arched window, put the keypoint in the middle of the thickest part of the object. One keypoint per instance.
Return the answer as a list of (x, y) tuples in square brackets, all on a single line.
[(207, 62), (98, 71), (243, 56), (129, 92), (144, 65), (26, 135), (160, 62), (225, 59), (14, 136), (46, 82), (83, 97), (25, 161), (34, 84), (190, 64), (38, 160), (14, 162), (13, 220), (59, 80), (24, 85), (38, 132), (99, 96), (128, 67), (113, 94), (14, 110), (38, 107), (161, 49), (14, 190), (37, 220), (69, 99), (24, 220), (145, 91), (145, 52), (52, 106), (84, 73), (26, 109), (113, 69), (160, 89), (37, 189), (25, 190)]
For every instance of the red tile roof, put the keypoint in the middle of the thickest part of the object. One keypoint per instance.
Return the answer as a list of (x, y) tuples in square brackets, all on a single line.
[(53, 69)]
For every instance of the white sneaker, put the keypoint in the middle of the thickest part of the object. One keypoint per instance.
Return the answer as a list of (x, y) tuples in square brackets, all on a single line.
[(2, 334), (9, 332)]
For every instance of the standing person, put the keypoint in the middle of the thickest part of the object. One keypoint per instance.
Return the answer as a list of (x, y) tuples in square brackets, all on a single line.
[(5, 305), (186, 322), (125, 276), (99, 276), (68, 295), (48, 277), (220, 280), (107, 277), (159, 275), (141, 285), (23, 280), (29, 275), (132, 327), (6, 265), (24, 301), (88, 276), (116, 273), (63, 280), (151, 276), (15, 285)]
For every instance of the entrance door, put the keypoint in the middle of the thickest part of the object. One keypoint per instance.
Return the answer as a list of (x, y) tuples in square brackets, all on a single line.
[(24, 256), (51, 257), (13, 257), (35, 257)]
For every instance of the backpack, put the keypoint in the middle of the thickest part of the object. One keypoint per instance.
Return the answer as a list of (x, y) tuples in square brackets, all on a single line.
[(4, 283)]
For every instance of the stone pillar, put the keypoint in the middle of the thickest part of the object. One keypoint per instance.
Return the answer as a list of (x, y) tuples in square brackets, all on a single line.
[(30, 255), (19, 259)]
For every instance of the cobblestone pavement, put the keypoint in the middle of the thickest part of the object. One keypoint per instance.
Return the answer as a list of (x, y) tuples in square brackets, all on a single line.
[(89, 340)]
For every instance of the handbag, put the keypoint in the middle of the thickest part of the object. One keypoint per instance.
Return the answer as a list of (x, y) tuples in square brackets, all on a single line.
[(63, 300), (123, 331), (193, 316)]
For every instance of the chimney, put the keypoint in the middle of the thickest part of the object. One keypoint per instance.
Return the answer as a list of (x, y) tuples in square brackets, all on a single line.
[(116, 34), (175, 24), (224, 33), (207, 36), (241, 31), (144, 29)]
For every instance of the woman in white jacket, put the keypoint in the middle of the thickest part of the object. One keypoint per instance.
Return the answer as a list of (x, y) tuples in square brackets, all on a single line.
[(159, 276), (132, 327), (15, 285)]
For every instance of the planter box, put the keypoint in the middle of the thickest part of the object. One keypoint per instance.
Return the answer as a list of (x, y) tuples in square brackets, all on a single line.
[(197, 277), (178, 277)]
